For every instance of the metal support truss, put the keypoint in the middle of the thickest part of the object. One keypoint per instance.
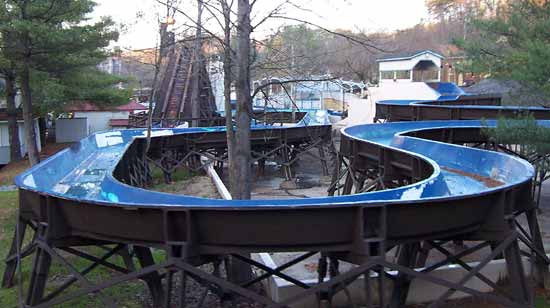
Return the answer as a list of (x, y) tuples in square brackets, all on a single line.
[(192, 237), (182, 259), (358, 172), (197, 150), (46, 250)]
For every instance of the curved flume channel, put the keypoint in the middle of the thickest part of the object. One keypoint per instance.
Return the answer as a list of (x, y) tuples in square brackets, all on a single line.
[(453, 103), (84, 172), (456, 192)]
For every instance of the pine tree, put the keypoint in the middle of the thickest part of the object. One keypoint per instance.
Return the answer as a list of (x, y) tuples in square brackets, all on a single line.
[(53, 38), (7, 72)]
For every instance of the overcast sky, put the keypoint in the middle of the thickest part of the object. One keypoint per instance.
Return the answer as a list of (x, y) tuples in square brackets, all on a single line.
[(140, 16)]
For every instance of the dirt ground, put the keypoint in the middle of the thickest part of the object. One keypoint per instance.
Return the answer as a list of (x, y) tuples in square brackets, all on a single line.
[(198, 186), (9, 171)]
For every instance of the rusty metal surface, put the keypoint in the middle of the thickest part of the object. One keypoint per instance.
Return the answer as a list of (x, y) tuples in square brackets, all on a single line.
[(467, 107)]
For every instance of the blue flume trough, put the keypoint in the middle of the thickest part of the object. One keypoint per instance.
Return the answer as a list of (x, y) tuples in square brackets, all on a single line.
[(456, 193), (84, 172)]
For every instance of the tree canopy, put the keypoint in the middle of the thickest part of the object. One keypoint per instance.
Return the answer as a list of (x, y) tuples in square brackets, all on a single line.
[(514, 45), (51, 45), (63, 48), (86, 84)]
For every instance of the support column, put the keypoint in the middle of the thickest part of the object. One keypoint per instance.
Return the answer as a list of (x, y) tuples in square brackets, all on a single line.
[(11, 259), (516, 275), (408, 258), (152, 280), (541, 272), (39, 277)]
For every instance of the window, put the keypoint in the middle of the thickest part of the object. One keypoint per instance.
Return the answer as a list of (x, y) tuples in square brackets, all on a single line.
[(431, 75), (403, 74), (386, 74), (425, 75)]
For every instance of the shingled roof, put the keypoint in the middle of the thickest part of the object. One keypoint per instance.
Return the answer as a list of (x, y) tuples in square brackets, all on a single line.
[(87, 106), (409, 55)]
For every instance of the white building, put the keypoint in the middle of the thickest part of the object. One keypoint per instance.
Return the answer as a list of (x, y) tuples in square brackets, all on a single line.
[(103, 118), (111, 65), (322, 92), (4, 131), (5, 139), (422, 66), (215, 73)]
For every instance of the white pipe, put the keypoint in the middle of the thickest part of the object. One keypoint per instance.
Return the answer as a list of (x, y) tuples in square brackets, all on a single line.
[(220, 186)]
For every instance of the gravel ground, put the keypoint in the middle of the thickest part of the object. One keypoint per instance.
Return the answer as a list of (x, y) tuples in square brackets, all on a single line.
[(197, 293)]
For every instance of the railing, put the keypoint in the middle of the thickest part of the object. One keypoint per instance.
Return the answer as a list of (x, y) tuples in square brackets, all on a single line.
[(140, 120), (268, 118)]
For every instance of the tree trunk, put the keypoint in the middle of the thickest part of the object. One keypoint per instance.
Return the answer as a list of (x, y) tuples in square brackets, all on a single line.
[(153, 94), (244, 105), (239, 271), (42, 130), (196, 68), (26, 103), (30, 133), (227, 78), (13, 127)]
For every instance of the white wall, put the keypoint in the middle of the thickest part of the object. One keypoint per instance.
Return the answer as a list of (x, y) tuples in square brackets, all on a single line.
[(5, 139), (99, 120), (406, 65), (216, 80), (71, 130), (396, 80), (412, 90)]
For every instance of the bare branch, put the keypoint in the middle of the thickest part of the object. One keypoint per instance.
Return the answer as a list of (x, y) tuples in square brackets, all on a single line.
[(283, 82), (213, 35), (348, 37)]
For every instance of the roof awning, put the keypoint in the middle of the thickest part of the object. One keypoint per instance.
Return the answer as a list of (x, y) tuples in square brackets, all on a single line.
[(118, 122)]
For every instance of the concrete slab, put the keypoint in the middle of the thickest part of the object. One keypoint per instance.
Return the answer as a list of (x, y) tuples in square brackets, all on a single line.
[(421, 291)]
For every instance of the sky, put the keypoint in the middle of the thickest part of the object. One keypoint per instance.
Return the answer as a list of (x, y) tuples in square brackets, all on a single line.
[(140, 16)]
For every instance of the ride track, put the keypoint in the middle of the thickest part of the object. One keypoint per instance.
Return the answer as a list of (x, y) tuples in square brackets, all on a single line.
[(431, 192)]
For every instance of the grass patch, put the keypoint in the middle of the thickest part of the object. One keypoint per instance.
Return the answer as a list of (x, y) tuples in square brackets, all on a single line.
[(178, 177), (185, 182), (129, 295)]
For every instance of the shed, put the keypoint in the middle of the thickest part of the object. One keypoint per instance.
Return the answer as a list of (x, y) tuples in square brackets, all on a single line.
[(101, 118), (419, 66), (5, 137)]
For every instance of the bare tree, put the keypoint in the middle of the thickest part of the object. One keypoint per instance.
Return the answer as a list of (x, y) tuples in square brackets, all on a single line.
[(240, 58), (244, 103), (196, 57), (162, 44), (228, 55)]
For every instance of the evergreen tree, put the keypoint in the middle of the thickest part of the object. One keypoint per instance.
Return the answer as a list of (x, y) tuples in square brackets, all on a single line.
[(515, 45), (53, 38), (86, 84), (7, 72)]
